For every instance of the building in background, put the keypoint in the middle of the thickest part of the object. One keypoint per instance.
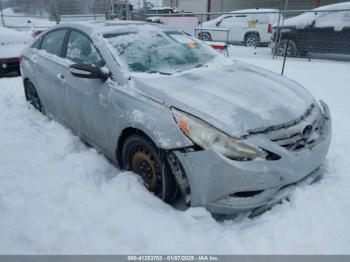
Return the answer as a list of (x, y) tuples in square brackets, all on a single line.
[(231, 5)]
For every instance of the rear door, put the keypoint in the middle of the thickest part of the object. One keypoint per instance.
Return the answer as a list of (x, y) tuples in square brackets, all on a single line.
[(48, 64), (88, 99), (238, 25)]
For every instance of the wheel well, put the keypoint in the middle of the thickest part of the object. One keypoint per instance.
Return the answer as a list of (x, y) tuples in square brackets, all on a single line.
[(292, 38), (26, 80), (205, 33), (122, 138), (251, 33)]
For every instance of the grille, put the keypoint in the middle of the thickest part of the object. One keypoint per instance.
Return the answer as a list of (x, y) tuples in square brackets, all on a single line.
[(304, 133)]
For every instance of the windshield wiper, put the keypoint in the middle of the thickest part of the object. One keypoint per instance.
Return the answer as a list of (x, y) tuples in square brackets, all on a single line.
[(159, 72), (197, 66)]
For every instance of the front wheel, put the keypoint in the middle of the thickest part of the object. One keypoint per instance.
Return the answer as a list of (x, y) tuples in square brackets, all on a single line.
[(141, 156)]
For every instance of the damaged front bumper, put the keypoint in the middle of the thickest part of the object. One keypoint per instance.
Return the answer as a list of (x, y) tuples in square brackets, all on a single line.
[(225, 186)]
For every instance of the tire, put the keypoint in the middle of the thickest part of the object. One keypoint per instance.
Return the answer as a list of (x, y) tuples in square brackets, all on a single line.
[(252, 40), (32, 96), (205, 37), (292, 50), (141, 156)]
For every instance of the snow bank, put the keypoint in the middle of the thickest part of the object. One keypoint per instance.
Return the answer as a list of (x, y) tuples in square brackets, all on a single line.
[(58, 196)]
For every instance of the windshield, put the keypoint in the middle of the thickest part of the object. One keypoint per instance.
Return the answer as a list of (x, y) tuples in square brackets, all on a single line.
[(154, 50)]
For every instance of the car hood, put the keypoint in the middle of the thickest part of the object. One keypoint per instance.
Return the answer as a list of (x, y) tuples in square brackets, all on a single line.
[(235, 99)]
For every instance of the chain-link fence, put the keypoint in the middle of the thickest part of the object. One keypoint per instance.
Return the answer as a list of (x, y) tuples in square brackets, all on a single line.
[(320, 33), (276, 29), (23, 14)]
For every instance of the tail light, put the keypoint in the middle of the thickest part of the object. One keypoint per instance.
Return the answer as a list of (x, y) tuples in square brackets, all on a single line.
[(269, 29)]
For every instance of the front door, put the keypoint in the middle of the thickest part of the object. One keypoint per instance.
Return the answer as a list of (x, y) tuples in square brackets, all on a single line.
[(87, 98)]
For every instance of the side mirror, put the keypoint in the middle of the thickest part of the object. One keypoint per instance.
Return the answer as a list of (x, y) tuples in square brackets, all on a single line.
[(218, 23), (89, 71)]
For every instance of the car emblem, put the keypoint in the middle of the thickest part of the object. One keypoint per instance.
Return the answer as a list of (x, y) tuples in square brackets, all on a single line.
[(307, 132)]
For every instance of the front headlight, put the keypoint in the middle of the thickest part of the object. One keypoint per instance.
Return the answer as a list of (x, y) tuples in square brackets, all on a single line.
[(207, 136)]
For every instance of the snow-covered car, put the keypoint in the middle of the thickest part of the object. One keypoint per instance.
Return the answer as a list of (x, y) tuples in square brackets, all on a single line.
[(229, 136), (252, 27), (317, 32), (11, 44)]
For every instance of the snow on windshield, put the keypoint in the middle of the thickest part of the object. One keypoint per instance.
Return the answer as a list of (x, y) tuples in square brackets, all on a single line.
[(148, 49)]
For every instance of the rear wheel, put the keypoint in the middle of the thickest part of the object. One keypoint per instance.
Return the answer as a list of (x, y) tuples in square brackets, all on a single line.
[(252, 40), (32, 96), (292, 50), (141, 156)]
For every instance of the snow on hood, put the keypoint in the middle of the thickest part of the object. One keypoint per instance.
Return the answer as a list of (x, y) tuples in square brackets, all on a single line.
[(337, 20), (235, 99)]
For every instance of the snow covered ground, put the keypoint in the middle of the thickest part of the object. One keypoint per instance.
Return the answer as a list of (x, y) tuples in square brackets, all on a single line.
[(59, 196), (19, 20)]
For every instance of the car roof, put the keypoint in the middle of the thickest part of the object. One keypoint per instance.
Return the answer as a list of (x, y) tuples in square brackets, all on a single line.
[(108, 26), (339, 6)]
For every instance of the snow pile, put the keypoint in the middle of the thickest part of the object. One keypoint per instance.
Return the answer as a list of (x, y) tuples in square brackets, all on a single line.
[(59, 196)]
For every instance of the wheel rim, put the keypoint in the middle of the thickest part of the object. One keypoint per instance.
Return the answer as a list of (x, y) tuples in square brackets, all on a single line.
[(282, 49), (32, 97), (145, 164), (251, 41)]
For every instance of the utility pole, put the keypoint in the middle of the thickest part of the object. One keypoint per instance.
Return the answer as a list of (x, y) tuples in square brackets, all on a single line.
[(208, 9), (2, 13)]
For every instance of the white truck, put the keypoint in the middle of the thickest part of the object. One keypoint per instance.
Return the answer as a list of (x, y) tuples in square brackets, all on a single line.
[(252, 27)]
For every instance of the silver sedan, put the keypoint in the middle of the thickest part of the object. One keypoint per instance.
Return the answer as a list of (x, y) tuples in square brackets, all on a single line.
[(225, 135)]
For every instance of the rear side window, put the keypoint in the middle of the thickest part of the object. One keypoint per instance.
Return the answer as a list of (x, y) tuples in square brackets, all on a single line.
[(80, 49), (53, 42), (37, 44)]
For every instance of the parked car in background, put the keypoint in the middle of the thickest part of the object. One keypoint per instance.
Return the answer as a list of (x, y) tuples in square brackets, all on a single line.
[(252, 27), (229, 136), (318, 32), (12, 42), (155, 11)]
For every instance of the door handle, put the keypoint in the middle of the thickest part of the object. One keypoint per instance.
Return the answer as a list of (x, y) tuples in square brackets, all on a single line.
[(60, 77)]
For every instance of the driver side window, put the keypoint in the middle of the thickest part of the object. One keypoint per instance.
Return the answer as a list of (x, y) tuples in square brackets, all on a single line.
[(80, 50)]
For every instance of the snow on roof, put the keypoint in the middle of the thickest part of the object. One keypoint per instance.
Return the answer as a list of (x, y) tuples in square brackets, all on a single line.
[(11, 34), (338, 20), (161, 8), (256, 10), (115, 25)]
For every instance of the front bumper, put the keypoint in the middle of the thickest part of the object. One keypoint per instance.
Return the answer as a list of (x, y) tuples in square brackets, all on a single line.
[(225, 186)]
